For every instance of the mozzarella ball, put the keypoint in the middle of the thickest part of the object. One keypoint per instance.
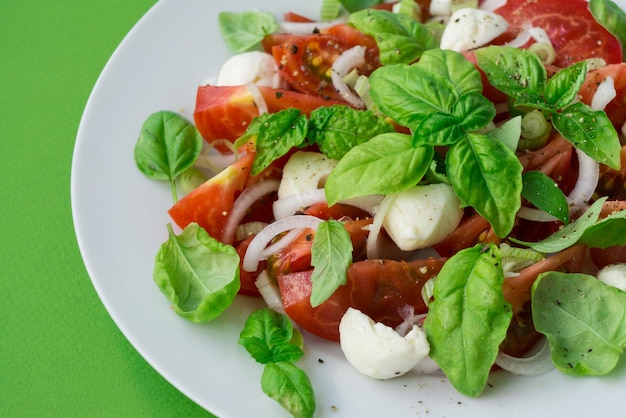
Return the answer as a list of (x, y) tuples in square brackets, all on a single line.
[(304, 172), (468, 29), (378, 351), (250, 67), (422, 216), (614, 275)]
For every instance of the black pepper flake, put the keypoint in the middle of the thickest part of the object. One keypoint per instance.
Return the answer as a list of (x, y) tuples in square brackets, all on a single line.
[(279, 94), (293, 49), (321, 361)]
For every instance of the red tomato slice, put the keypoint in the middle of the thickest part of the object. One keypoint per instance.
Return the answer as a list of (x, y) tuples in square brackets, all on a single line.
[(210, 203), (570, 26), (616, 109), (248, 279), (224, 112), (305, 61), (378, 288)]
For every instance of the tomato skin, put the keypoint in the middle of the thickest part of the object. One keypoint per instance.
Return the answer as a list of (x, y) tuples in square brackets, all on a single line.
[(248, 279), (573, 31), (616, 108), (603, 257), (378, 288), (224, 112), (490, 92), (209, 204)]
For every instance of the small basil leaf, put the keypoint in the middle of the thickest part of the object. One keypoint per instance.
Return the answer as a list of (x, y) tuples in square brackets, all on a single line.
[(591, 131), (454, 67), (469, 312), (584, 320), (473, 111), (563, 87), (286, 352), (244, 31), (544, 193), (607, 232), (198, 274), (437, 129), (290, 387), (612, 17), (337, 129), (356, 5), (265, 329), (385, 164)]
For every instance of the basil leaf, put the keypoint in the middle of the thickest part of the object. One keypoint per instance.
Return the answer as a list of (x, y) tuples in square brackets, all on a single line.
[(473, 111), (407, 93), (385, 164), (244, 31), (168, 145), (487, 175), (331, 255), (198, 274), (290, 387), (563, 87), (468, 317), (515, 72), (544, 193), (337, 129), (400, 39), (607, 232), (569, 235), (612, 17), (277, 134), (591, 131), (583, 319), (455, 68)]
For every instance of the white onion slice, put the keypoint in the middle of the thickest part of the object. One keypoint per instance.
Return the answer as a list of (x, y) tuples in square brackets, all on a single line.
[(520, 40), (242, 204), (588, 175), (373, 238), (282, 243), (260, 102), (604, 94), (539, 34), (534, 365), (491, 5), (291, 204), (342, 65), (536, 215), (269, 292), (260, 241), (215, 161), (307, 28)]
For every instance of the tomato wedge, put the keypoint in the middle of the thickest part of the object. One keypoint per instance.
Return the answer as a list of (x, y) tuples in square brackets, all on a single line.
[(573, 31), (224, 112), (378, 288), (210, 203), (616, 108)]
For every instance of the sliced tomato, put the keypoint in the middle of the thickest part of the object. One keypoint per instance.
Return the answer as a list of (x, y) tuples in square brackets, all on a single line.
[(295, 17), (336, 211), (490, 92), (378, 288), (616, 108), (305, 62), (210, 203), (248, 279), (573, 31), (224, 112)]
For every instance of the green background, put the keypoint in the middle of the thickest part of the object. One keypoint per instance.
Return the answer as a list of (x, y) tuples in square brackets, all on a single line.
[(61, 355)]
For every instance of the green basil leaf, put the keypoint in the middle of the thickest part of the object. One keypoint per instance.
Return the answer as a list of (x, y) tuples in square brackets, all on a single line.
[(337, 129), (591, 131), (407, 93), (244, 31), (277, 134), (385, 164), (290, 387), (612, 17), (198, 274), (583, 319), (569, 235), (437, 129), (400, 39), (473, 111), (487, 175), (515, 72), (563, 87), (286, 352), (331, 255), (544, 193), (264, 330), (607, 232), (453, 67), (168, 145), (468, 317), (356, 5)]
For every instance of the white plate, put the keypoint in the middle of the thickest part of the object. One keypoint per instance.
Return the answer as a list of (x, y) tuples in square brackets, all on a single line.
[(120, 219)]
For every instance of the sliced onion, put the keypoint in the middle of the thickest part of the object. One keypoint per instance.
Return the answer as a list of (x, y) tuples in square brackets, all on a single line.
[(536, 215), (282, 243), (212, 159), (258, 98), (344, 63), (539, 34), (588, 175), (366, 203), (604, 94), (291, 204), (243, 203), (269, 292), (491, 5), (373, 238), (534, 365), (307, 28), (520, 40), (260, 241)]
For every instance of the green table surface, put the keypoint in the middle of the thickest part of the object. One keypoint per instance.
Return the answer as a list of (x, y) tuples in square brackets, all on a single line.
[(61, 355)]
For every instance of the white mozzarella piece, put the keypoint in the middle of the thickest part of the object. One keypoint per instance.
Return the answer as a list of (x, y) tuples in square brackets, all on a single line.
[(468, 29), (378, 351), (422, 216), (254, 67), (614, 275), (440, 7), (304, 172)]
